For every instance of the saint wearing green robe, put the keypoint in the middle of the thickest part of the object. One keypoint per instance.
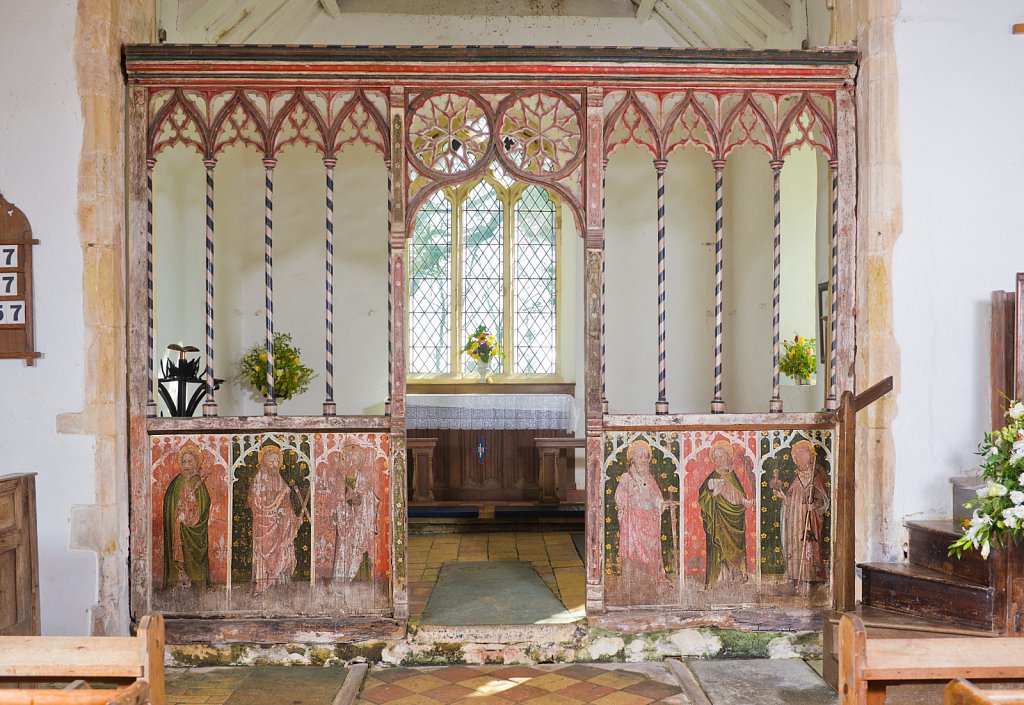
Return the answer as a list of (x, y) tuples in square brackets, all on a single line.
[(186, 524), (723, 504)]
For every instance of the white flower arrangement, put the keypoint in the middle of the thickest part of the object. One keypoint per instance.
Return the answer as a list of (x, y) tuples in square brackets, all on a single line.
[(999, 506)]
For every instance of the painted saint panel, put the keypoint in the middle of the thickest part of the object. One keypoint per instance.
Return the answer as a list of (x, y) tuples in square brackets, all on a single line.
[(721, 523), (351, 553), (190, 518), (796, 512), (641, 483), (271, 521)]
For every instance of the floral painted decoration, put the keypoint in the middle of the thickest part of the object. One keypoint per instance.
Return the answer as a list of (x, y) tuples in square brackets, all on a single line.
[(482, 346), (291, 377), (798, 360), (999, 506)]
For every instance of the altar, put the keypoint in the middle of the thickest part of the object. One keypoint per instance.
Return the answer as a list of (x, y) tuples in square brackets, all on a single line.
[(485, 448)]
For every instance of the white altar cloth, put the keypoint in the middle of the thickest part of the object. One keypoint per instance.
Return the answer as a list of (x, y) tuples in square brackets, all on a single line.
[(491, 411)]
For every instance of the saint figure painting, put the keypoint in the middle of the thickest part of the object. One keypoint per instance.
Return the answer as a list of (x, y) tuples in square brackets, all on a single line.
[(186, 515), (355, 516), (274, 522), (642, 518), (723, 505), (804, 505)]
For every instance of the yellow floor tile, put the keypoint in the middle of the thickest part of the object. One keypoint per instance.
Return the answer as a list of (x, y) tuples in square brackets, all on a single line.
[(551, 682)]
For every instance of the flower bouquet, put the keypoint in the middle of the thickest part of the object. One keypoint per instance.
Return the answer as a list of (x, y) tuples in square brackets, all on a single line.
[(999, 506), (482, 347), (291, 377), (798, 360)]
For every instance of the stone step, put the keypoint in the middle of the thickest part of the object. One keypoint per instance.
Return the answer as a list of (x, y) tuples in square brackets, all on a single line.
[(929, 547), (882, 623), (927, 593)]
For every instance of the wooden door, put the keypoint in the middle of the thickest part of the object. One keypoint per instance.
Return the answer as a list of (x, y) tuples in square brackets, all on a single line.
[(19, 558)]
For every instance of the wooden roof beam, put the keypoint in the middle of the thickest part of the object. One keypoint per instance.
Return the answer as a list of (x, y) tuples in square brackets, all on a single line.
[(644, 8)]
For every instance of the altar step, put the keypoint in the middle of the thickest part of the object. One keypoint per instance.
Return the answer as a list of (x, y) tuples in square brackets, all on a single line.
[(428, 519)]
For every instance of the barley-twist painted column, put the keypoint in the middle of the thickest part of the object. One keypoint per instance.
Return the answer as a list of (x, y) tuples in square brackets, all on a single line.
[(604, 376), (717, 403), (151, 409), (270, 405), (330, 408), (831, 402), (387, 403), (661, 406), (775, 405), (210, 405)]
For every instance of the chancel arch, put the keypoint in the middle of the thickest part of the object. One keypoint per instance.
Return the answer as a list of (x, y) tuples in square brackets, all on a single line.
[(379, 274)]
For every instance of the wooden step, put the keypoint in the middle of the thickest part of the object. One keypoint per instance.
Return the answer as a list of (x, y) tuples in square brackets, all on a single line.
[(929, 547), (923, 592), (885, 623)]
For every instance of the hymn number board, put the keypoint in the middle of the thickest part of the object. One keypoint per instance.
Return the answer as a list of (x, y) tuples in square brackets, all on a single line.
[(16, 338)]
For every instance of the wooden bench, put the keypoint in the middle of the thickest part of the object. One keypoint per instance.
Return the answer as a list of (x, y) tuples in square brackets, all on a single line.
[(137, 663), (961, 692), (867, 666), (555, 484)]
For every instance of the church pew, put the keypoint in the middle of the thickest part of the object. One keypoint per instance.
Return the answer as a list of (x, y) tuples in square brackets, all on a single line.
[(868, 666), (138, 659), (961, 692)]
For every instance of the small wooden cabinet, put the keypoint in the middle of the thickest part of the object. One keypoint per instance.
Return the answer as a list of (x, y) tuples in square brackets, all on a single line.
[(19, 556)]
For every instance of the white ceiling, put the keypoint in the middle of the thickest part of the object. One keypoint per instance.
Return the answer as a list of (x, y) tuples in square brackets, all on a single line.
[(755, 24)]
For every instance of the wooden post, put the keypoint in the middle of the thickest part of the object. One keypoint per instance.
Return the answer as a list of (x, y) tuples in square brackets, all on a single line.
[(1018, 340), (1002, 362), (844, 531), (593, 319), (396, 340)]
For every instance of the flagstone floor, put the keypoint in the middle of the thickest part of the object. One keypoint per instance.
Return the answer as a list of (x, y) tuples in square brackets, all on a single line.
[(552, 554)]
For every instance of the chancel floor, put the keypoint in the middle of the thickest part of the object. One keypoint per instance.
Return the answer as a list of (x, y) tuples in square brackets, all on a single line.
[(553, 555)]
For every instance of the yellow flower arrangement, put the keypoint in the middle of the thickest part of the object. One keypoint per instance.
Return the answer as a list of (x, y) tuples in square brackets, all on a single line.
[(482, 346), (798, 361), (291, 377)]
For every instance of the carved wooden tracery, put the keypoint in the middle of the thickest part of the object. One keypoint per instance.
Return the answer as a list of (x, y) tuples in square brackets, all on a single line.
[(546, 116)]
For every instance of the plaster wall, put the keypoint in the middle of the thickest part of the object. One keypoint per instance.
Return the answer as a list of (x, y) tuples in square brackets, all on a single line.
[(963, 163), (631, 278), (41, 141)]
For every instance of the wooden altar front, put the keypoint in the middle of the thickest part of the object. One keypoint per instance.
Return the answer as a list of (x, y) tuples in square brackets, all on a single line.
[(336, 485)]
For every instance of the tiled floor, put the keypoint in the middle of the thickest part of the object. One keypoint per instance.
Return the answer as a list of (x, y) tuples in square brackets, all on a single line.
[(552, 554), (277, 685), (572, 684)]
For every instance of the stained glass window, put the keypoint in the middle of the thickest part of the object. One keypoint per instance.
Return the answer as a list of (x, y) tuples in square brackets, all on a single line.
[(483, 267), (430, 296), (472, 263), (536, 283)]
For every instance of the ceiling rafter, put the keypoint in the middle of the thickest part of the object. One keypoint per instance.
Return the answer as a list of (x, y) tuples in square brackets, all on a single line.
[(678, 26), (644, 9)]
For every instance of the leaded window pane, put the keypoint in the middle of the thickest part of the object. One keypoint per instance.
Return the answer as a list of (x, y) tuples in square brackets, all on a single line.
[(430, 284), (535, 283), (482, 267)]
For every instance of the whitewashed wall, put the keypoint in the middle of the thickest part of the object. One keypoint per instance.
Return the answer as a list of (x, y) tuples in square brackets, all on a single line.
[(962, 155), (40, 143), (631, 277)]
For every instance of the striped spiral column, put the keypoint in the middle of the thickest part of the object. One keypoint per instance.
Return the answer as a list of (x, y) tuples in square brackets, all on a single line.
[(387, 403), (661, 406), (831, 402), (150, 351), (270, 405), (775, 405), (330, 408), (717, 404), (604, 258), (210, 405)]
